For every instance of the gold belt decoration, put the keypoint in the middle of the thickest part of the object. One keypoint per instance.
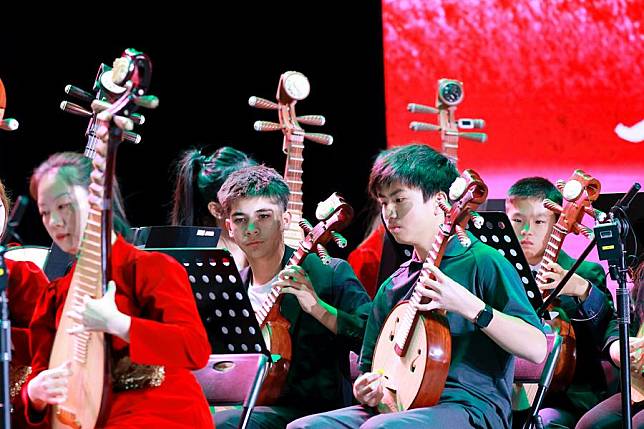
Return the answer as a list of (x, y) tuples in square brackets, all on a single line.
[(18, 374), (131, 376)]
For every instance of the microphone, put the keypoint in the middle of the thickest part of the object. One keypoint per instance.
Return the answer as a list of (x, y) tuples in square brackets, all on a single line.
[(625, 202)]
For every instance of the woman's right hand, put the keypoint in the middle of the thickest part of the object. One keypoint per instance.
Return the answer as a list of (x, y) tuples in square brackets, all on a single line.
[(50, 386)]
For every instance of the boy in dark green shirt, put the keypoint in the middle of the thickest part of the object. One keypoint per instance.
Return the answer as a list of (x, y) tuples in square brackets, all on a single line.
[(326, 305), (489, 315), (585, 301)]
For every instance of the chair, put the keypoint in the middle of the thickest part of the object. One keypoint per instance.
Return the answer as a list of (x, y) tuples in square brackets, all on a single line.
[(232, 379), (541, 374)]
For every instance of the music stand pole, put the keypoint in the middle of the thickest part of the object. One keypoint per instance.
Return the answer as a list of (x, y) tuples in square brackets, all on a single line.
[(263, 365)]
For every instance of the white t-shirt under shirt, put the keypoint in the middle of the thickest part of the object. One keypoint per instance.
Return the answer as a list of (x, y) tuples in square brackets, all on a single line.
[(258, 293)]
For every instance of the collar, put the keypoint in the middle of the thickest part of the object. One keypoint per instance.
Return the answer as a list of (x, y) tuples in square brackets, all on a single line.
[(246, 274), (452, 249)]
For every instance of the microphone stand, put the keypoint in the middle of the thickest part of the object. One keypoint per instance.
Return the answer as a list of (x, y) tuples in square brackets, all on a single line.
[(610, 238), (610, 247), (5, 342)]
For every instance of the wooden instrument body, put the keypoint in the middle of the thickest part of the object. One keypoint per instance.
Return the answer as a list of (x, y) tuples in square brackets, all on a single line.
[(85, 351), (85, 395), (417, 378), (89, 384), (579, 192), (278, 340), (275, 327), (567, 362)]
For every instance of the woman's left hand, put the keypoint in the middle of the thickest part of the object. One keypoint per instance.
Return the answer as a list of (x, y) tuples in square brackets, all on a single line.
[(101, 315)]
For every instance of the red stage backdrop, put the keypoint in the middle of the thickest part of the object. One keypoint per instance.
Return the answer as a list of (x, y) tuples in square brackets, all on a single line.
[(551, 79)]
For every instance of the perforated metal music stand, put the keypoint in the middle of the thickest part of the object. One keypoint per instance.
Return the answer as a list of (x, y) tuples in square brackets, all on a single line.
[(497, 233), (239, 359)]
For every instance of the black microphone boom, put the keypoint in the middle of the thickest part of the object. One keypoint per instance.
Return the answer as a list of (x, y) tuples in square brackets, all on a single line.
[(17, 212)]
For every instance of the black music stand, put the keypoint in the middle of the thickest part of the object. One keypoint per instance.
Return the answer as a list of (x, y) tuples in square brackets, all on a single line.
[(497, 233), (176, 236), (239, 353)]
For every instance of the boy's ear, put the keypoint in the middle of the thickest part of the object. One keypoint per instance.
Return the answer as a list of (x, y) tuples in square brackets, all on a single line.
[(286, 219), (216, 210)]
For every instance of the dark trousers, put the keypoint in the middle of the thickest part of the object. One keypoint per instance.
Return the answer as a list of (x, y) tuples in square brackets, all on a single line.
[(608, 414), (443, 416), (261, 418)]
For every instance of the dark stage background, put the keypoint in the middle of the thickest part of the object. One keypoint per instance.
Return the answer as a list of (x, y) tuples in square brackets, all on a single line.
[(206, 66)]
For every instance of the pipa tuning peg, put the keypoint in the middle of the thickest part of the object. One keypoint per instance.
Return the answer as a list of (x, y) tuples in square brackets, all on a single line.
[(462, 236), (324, 139), (266, 126), (147, 101), (552, 206), (262, 103), (81, 94), (583, 230), (598, 215), (421, 108), (477, 137), (317, 120), (9, 124), (132, 137), (74, 109), (339, 240), (477, 220), (323, 254), (560, 184), (305, 225), (423, 126), (444, 205)]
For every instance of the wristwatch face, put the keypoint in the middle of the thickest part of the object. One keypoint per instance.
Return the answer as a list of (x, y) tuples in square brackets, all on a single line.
[(485, 317)]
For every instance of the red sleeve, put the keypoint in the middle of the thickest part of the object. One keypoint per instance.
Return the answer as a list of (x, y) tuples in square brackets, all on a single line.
[(170, 332), (26, 284), (42, 333)]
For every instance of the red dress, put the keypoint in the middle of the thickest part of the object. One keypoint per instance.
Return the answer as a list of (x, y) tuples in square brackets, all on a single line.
[(166, 330), (365, 260), (26, 283)]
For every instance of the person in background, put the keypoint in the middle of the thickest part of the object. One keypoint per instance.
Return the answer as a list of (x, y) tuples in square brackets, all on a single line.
[(199, 176), (584, 301), (25, 285)]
